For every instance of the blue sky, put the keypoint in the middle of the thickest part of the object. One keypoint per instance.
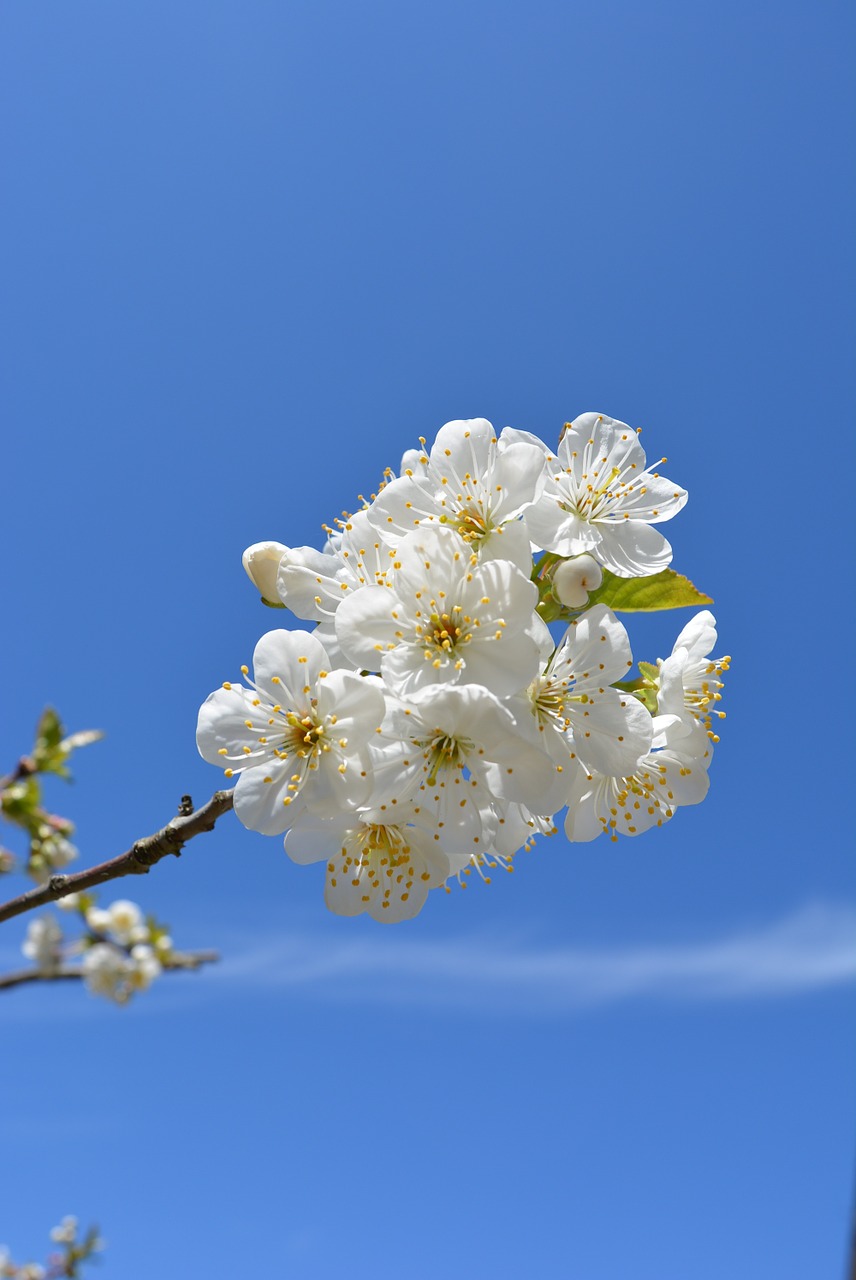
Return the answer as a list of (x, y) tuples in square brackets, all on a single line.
[(251, 252)]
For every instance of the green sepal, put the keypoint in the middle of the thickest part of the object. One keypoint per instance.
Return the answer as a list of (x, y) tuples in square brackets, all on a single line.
[(272, 604), (650, 671), (642, 689)]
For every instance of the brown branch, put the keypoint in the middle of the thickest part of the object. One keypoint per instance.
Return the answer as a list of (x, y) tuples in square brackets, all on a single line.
[(179, 960), (138, 860), (25, 768)]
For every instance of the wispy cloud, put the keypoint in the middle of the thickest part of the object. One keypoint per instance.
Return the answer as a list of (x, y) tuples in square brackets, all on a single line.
[(811, 950)]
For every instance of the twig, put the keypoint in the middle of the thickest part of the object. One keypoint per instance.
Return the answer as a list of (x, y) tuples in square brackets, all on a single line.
[(25, 768), (138, 860), (178, 960)]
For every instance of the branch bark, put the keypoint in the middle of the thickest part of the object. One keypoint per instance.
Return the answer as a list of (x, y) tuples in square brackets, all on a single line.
[(138, 860), (179, 960)]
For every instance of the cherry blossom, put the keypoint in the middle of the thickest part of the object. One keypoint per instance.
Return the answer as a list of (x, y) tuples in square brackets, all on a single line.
[(601, 498)]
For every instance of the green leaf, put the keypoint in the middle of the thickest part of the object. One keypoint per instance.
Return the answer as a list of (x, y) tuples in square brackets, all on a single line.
[(666, 590), (49, 731)]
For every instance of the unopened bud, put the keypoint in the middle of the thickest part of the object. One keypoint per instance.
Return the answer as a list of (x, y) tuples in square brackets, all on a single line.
[(574, 579), (261, 562)]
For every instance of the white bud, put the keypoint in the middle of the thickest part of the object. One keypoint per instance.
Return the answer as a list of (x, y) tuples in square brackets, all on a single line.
[(70, 902), (574, 579), (261, 562)]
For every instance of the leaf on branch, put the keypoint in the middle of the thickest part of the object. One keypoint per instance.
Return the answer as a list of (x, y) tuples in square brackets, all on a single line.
[(666, 590), (53, 747)]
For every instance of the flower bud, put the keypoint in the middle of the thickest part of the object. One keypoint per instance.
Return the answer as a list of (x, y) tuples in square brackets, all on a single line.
[(261, 562), (574, 579)]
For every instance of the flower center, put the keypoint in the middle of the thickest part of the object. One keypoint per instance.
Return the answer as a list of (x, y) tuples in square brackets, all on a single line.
[(473, 525), (304, 735), (382, 845), (444, 752)]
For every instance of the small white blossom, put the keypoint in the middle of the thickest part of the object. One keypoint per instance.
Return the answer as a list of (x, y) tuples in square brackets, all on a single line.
[(66, 1232), (98, 920), (43, 944), (125, 921), (689, 677), (110, 971), (147, 965)]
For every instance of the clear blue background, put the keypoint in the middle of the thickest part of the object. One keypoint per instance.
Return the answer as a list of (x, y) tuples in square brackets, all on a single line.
[(251, 252)]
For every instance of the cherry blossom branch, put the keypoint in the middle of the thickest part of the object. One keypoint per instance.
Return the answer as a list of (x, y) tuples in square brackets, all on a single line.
[(137, 860), (179, 960)]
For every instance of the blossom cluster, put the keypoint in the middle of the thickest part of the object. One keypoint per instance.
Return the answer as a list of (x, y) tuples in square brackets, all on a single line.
[(121, 951), (431, 721), (65, 1261)]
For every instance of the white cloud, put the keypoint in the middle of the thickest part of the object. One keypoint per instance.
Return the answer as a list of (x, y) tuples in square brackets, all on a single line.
[(810, 950)]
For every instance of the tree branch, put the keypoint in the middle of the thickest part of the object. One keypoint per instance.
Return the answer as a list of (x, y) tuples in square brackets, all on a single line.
[(178, 960), (138, 860)]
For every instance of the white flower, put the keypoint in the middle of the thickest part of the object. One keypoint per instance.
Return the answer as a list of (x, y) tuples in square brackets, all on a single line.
[(600, 498), (374, 865), (66, 1232), (689, 677), (70, 902), (107, 971), (447, 619), (470, 483), (261, 562), (662, 781), (455, 751), (571, 708), (674, 772), (97, 919), (42, 944), (297, 738), (125, 921), (146, 965), (313, 583), (50, 851)]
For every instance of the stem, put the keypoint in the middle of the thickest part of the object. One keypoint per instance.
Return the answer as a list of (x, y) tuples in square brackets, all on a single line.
[(178, 960), (138, 860)]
